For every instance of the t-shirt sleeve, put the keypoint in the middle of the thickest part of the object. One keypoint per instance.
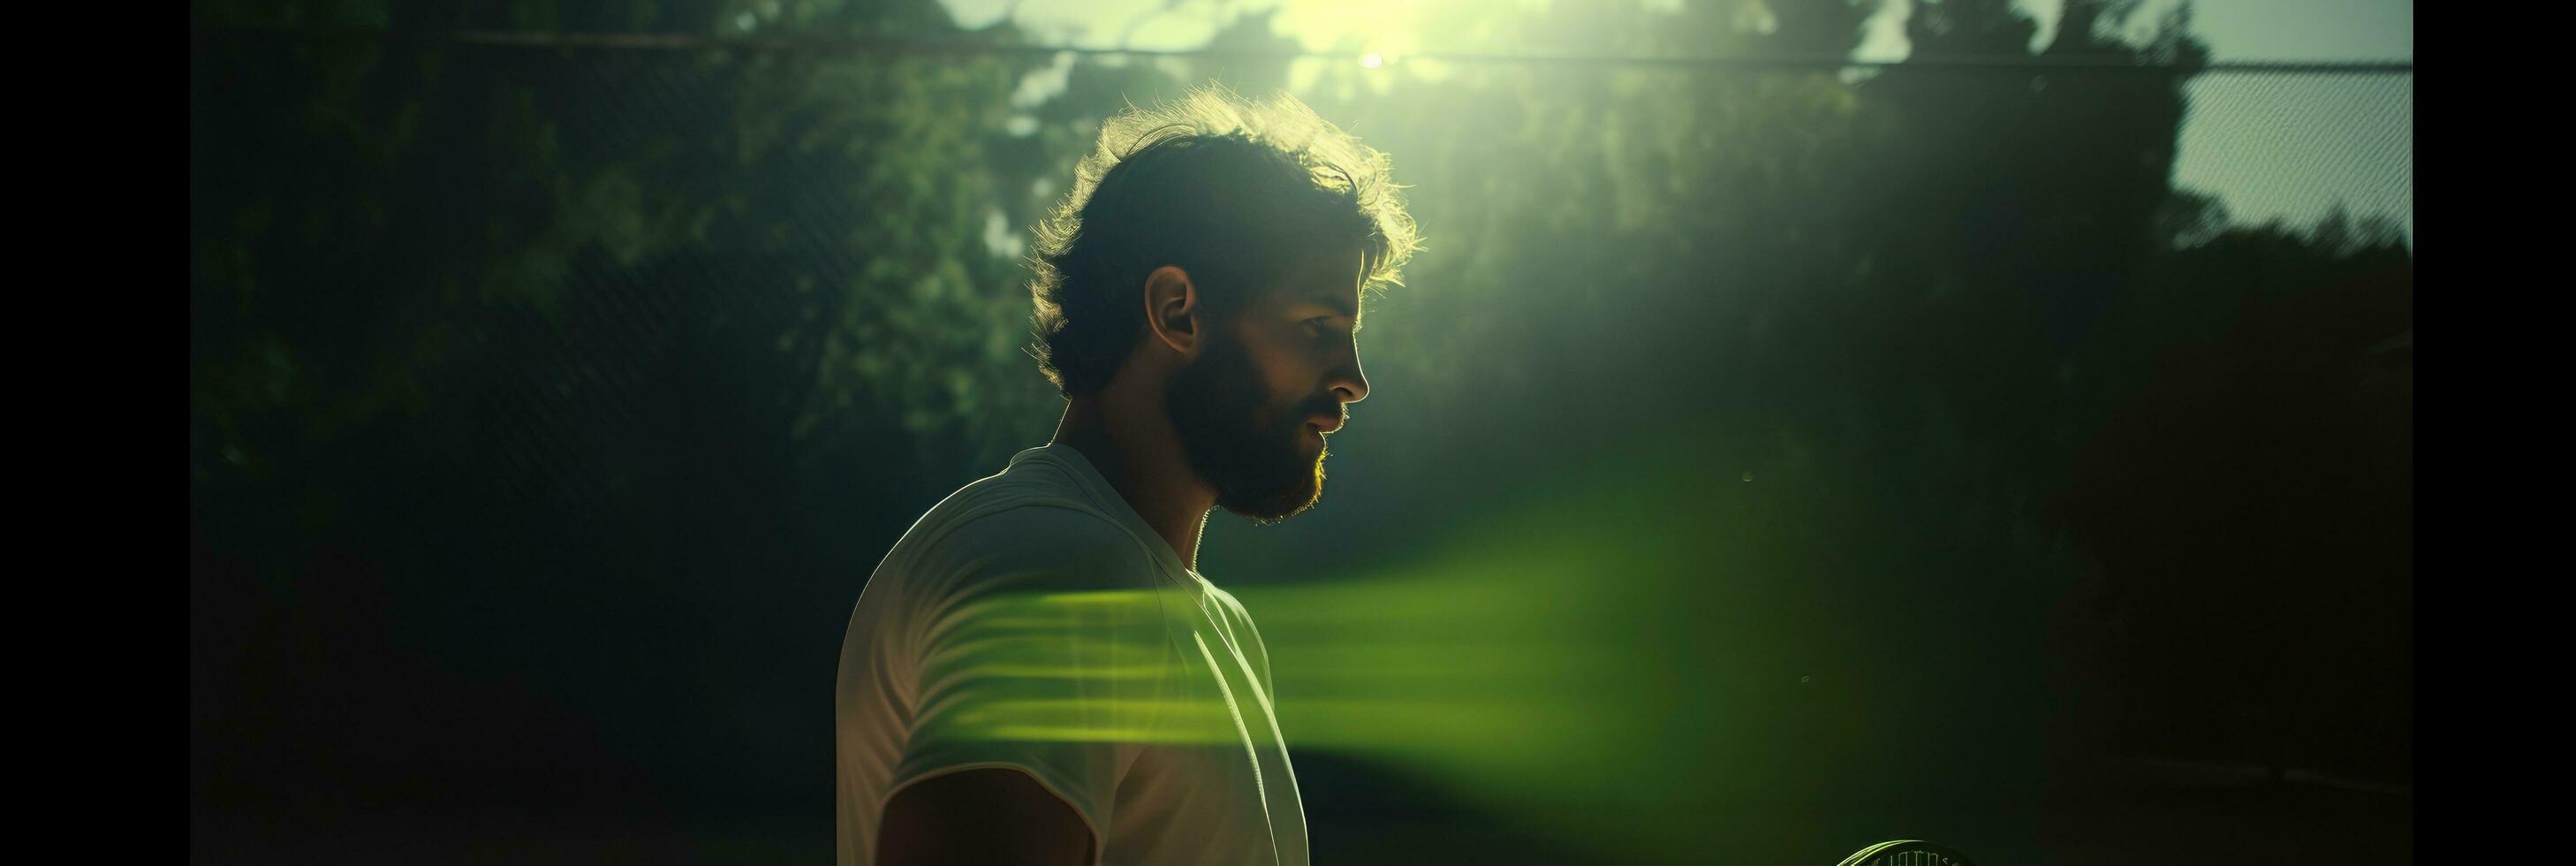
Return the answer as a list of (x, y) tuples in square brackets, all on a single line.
[(1042, 647)]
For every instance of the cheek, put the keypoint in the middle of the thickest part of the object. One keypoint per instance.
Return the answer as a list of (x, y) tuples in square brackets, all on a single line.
[(1283, 374)]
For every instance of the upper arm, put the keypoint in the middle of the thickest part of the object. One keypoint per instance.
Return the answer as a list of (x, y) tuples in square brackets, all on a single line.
[(988, 815)]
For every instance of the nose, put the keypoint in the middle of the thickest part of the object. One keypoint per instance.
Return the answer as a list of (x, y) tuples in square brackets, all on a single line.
[(1350, 385)]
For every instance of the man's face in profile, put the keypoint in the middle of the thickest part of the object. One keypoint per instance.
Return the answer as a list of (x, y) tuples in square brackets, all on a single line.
[(1252, 411)]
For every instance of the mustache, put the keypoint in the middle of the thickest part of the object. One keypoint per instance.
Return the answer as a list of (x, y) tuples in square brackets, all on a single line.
[(1312, 408)]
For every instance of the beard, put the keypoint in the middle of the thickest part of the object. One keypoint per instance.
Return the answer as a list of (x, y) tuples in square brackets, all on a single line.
[(1257, 461)]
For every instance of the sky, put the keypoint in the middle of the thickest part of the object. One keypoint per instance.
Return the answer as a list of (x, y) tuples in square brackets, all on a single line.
[(2269, 146)]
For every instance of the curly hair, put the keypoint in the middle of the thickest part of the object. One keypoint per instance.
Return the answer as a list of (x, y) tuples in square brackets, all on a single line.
[(1232, 191)]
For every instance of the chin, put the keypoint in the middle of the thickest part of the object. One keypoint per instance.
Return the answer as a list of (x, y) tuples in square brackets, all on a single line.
[(1282, 502)]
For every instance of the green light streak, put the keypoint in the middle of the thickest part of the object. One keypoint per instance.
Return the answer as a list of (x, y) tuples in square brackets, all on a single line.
[(1614, 662)]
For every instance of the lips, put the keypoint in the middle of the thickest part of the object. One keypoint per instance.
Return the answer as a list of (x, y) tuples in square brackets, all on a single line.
[(1326, 424)]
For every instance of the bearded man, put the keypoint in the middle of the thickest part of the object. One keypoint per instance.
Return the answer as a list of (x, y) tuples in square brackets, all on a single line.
[(1037, 673)]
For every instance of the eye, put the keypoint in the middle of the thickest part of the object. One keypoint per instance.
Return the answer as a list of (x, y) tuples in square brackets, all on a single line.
[(1315, 327)]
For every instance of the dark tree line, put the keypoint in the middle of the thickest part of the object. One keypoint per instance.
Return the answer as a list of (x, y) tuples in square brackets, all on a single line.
[(546, 406)]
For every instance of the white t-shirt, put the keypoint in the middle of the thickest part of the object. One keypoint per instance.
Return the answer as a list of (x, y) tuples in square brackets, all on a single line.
[(1033, 621)]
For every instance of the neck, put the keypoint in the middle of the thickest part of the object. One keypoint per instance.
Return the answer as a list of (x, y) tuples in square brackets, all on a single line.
[(1130, 441)]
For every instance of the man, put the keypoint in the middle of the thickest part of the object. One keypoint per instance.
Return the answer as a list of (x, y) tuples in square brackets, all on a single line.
[(1037, 673)]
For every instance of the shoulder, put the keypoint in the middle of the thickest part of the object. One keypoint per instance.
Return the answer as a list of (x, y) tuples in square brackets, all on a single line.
[(1036, 545), (1044, 532), (1020, 582)]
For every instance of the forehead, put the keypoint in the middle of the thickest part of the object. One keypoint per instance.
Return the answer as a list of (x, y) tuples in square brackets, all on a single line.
[(1330, 278)]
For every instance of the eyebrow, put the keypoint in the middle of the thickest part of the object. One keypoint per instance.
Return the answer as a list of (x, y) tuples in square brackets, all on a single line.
[(1333, 302), (1337, 304)]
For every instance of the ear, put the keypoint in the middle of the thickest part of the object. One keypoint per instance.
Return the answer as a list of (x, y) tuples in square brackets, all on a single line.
[(1172, 309)]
